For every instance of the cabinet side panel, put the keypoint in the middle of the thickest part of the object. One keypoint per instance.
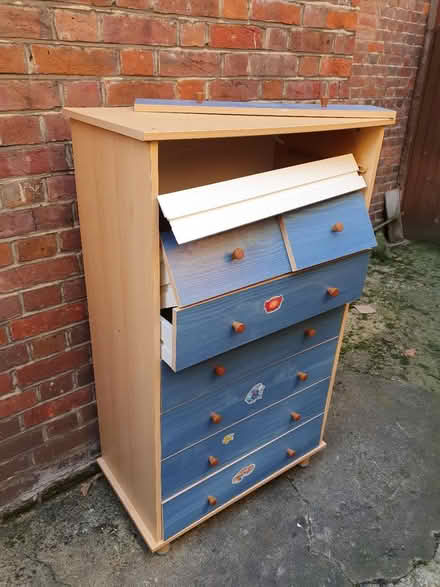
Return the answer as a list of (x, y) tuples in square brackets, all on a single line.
[(116, 180)]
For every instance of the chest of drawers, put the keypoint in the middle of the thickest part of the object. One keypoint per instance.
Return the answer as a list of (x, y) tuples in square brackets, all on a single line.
[(222, 244)]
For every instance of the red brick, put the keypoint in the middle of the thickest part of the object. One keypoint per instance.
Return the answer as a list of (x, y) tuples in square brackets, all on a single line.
[(36, 273), (12, 59), (57, 127), (311, 41), (277, 39), (48, 345), (137, 4), (17, 403), (315, 16), (342, 19), (80, 334), (19, 130), (74, 60), (272, 89), (236, 36), (61, 187), (189, 7), (53, 216), (57, 386), (3, 336), (75, 289), (337, 66), (43, 297), (28, 95), (345, 44), (16, 194), (138, 30), (137, 62), (234, 89), (236, 9), (45, 368), (88, 413), (56, 407), (188, 63), (375, 47), (22, 443), (14, 466), (32, 161), (12, 356), (236, 64), (309, 65), (193, 34), (276, 10), (57, 447), (191, 89), (82, 94), (9, 428), (303, 90), (124, 93), (9, 307), (16, 223), (20, 21), (76, 25), (48, 320), (273, 65), (70, 240), (5, 255), (62, 425), (36, 248), (85, 375)]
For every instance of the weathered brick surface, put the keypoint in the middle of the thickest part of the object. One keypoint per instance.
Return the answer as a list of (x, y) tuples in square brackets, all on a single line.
[(108, 52)]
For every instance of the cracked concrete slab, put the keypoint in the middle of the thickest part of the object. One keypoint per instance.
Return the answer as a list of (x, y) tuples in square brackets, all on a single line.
[(365, 512)]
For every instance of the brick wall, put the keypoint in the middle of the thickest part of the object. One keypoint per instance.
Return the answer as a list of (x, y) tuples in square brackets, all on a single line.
[(107, 52)]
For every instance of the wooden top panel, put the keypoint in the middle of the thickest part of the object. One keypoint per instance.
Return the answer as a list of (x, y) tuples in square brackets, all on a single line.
[(159, 126)]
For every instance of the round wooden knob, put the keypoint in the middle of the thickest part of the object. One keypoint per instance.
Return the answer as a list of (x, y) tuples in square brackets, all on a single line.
[(309, 332), (238, 327), (213, 461), (212, 500), (237, 254), (216, 418), (295, 416), (219, 370), (338, 227), (290, 452), (333, 291), (302, 376)]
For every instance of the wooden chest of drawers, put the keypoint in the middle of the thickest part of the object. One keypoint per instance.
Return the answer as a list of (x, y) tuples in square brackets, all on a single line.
[(217, 319)]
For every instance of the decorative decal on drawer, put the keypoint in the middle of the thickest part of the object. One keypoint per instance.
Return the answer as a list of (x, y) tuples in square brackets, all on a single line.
[(244, 472), (228, 438), (273, 304), (254, 394)]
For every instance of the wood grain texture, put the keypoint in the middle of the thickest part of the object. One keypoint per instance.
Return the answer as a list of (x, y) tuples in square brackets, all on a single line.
[(196, 381), (205, 330), (191, 505), (192, 464), (311, 236), (205, 268), (116, 175)]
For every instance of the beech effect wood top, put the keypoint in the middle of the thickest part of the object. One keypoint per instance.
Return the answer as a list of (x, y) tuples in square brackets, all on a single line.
[(160, 126)]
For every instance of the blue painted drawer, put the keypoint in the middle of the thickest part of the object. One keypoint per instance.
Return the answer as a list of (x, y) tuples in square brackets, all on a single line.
[(311, 236), (191, 505), (206, 330), (192, 422), (179, 388), (206, 268), (192, 464)]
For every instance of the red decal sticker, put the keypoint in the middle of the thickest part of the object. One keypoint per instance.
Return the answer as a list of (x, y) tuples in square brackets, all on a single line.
[(273, 304)]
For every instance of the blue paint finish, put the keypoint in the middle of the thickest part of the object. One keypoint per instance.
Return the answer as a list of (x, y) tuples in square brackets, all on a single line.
[(310, 230), (190, 506), (191, 422), (205, 330), (204, 268), (187, 385), (262, 105), (192, 464)]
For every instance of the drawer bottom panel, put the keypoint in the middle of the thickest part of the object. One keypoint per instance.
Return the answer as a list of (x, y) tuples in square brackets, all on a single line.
[(191, 505)]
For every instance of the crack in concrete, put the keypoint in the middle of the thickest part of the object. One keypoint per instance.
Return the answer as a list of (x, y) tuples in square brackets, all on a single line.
[(49, 567)]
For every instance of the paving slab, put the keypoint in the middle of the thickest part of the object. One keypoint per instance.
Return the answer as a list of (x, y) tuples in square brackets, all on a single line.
[(365, 512)]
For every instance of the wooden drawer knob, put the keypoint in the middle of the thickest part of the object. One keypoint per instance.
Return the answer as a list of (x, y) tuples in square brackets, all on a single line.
[(219, 370), (216, 418), (333, 291), (309, 332), (213, 461), (295, 416), (338, 227), (290, 452), (302, 376), (212, 500), (238, 327), (238, 254)]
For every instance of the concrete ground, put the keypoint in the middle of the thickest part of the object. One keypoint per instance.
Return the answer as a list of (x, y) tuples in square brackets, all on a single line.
[(366, 511)]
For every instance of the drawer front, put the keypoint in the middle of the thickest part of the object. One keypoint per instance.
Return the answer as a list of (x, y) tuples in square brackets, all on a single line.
[(179, 388), (209, 267), (311, 236), (191, 505), (193, 421), (206, 330), (193, 464)]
